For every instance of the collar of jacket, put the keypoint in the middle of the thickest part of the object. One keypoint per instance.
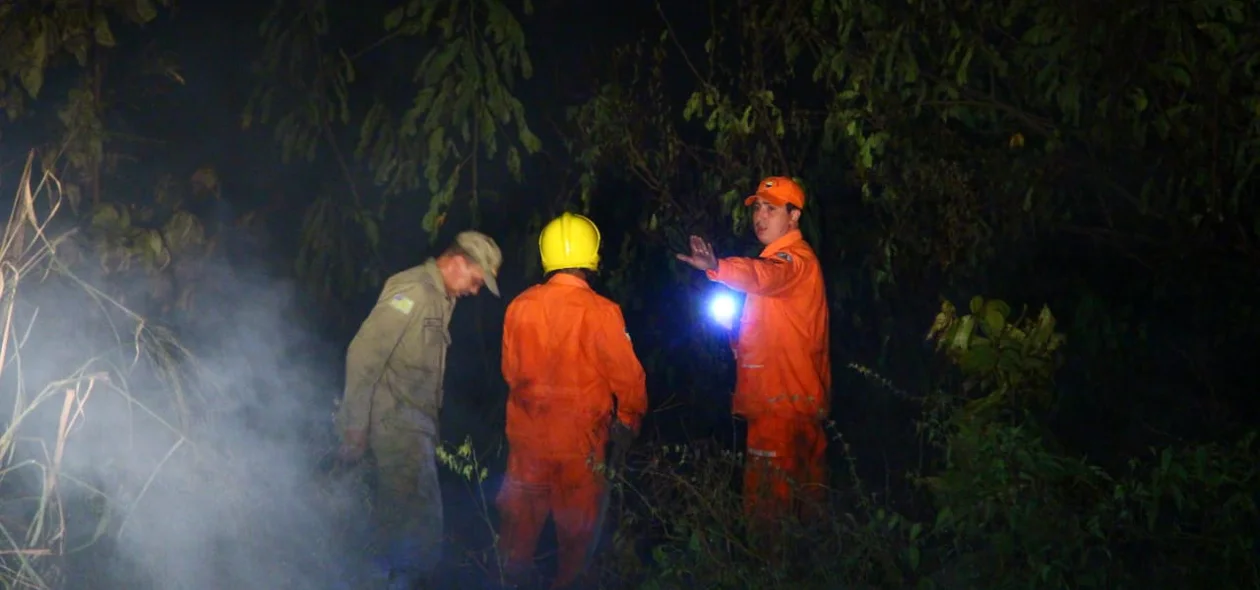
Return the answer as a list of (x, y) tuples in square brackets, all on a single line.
[(563, 278), (435, 274), (786, 240)]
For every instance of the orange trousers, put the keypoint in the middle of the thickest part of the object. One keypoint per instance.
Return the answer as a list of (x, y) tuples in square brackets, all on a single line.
[(566, 488), (783, 451)]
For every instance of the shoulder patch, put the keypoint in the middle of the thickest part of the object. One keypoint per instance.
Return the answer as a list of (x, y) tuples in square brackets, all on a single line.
[(783, 256), (402, 303)]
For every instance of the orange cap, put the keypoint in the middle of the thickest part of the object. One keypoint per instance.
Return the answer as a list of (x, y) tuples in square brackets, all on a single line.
[(779, 190)]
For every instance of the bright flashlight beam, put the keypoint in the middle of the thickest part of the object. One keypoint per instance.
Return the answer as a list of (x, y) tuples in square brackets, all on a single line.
[(722, 308)]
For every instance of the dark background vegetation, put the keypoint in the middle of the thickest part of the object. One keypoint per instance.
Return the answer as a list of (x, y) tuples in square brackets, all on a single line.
[(264, 165)]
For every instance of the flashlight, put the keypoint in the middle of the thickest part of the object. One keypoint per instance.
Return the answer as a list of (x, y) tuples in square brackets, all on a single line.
[(723, 308)]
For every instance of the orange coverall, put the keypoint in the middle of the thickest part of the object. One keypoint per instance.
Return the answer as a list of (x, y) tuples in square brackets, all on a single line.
[(566, 355), (783, 375)]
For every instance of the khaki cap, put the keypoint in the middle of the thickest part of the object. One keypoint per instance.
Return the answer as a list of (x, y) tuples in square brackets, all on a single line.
[(482, 250)]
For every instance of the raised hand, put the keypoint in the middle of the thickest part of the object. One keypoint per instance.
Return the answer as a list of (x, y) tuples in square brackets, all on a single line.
[(701, 257)]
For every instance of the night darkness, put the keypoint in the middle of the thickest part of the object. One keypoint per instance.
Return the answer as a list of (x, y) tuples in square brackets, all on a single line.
[(209, 197)]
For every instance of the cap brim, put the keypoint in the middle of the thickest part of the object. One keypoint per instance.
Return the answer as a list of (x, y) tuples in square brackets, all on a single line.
[(777, 202), (492, 284)]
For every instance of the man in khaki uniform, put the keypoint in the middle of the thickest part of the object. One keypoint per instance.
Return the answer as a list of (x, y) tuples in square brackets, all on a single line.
[(394, 370)]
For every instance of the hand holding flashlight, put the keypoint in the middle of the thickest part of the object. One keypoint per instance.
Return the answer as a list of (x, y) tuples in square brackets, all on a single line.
[(702, 257), (723, 306)]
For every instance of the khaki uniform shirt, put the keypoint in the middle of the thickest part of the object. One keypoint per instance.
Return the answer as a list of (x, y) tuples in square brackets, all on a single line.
[(400, 349)]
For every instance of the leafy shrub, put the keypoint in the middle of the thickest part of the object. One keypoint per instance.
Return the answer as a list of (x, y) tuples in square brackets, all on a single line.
[(1008, 506)]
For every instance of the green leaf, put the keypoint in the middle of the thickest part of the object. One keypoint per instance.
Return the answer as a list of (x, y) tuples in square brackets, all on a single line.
[(145, 10), (33, 80), (978, 360), (529, 140), (370, 229), (963, 68), (154, 245), (104, 35), (33, 75), (394, 18), (998, 306), (514, 162), (993, 321)]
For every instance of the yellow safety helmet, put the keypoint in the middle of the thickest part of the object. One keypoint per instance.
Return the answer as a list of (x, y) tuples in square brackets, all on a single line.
[(569, 241)]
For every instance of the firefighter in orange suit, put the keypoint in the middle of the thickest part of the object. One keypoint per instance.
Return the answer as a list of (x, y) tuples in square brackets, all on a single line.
[(568, 362), (783, 375)]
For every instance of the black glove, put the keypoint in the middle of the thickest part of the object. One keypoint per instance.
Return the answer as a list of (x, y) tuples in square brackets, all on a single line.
[(621, 437)]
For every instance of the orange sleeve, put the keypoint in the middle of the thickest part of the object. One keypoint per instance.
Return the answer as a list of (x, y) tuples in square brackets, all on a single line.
[(621, 367), (508, 361), (760, 276)]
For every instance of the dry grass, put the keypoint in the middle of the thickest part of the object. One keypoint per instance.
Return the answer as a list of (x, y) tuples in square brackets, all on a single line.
[(122, 461), (46, 418)]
